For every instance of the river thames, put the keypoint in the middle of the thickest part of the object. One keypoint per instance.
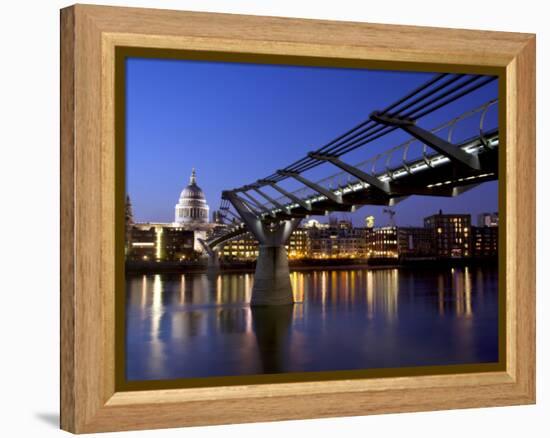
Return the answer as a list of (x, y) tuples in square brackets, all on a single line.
[(187, 325)]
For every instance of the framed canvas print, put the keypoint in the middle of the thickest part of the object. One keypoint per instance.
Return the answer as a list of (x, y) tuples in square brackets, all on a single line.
[(267, 218)]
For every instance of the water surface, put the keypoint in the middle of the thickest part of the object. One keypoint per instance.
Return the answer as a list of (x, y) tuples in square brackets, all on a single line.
[(188, 325)]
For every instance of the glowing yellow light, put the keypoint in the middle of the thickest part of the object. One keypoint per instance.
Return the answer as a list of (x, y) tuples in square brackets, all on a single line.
[(143, 244), (156, 307), (158, 232)]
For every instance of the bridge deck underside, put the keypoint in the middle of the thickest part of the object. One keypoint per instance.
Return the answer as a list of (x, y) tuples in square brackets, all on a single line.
[(433, 180)]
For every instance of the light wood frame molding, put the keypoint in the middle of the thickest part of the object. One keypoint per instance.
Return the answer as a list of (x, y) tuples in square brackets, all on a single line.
[(89, 35)]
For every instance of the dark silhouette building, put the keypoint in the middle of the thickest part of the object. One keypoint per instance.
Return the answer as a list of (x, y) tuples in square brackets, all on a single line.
[(451, 234)]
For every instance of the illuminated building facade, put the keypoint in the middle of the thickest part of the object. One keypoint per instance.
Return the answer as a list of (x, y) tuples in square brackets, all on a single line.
[(485, 241), (443, 236), (160, 243), (451, 234), (414, 242), (299, 244), (399, 242), (369, 222), (243, 247), (338, 239), (177, 244), (142, 245), (382, 243), (312, 240)]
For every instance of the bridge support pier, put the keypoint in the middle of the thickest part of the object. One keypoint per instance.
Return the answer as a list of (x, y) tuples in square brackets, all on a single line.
[(213, 264), (272, 277)]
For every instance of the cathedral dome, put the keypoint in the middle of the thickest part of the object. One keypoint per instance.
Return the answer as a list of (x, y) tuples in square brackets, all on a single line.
[(192, 208), (192, 191)]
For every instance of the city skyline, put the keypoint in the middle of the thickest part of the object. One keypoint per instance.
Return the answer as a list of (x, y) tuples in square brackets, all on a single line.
[(182, 109), (355, 217), (344, 216)]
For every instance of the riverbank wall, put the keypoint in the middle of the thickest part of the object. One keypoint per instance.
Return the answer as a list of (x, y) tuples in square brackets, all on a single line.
[(133, 267)]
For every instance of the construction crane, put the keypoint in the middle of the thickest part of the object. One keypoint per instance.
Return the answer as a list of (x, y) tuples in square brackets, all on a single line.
[(391, 214)]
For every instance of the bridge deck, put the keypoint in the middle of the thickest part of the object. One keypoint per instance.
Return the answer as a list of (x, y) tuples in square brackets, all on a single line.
[(433, 175)]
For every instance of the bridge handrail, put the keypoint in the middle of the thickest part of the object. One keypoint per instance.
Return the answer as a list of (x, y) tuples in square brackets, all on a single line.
[(302, 191), (306, 193), (239, 229)]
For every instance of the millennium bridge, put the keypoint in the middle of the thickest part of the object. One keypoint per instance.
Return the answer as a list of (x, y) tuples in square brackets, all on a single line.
[(429, 163)]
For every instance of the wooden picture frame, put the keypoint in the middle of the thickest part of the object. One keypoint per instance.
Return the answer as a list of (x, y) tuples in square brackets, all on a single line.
[(90, 35)]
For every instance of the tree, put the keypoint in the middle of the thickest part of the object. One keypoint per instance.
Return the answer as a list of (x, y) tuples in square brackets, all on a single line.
[(129, 222), (128, 213)]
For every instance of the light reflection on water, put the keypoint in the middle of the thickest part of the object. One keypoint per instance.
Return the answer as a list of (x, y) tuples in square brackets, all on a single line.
[(190, 325)]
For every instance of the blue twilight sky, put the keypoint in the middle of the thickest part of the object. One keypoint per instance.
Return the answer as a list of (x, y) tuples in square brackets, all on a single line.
[(236, 123)]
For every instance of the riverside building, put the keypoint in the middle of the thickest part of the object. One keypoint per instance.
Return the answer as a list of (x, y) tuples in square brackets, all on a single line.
[(178, 240)]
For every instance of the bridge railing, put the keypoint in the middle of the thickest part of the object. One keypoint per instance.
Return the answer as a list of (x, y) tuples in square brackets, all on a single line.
[(474, 123), (468, 125), (471, 124)]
